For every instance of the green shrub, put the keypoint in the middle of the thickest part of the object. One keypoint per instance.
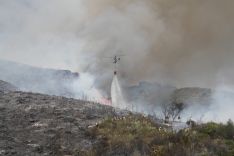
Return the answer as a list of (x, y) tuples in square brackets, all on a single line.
[(131, 133), (229, 130), (210, 129), (137, 134)]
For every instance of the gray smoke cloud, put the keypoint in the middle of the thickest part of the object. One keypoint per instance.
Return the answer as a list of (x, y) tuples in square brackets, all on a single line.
[(185, 43)]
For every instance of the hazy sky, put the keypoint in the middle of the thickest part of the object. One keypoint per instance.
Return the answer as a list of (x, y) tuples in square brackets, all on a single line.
[(181, 42)]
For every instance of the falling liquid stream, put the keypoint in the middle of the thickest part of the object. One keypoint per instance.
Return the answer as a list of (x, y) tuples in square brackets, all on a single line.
[(116, 94)]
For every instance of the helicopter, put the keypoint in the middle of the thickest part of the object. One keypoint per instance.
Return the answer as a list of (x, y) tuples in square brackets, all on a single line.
[(116, 59)]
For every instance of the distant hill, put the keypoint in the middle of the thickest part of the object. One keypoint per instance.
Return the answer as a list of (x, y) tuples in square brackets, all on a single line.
[(192, 96), (41, 80), (148, 97)]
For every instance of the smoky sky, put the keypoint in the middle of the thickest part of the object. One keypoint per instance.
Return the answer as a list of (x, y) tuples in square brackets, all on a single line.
[(180, 42)]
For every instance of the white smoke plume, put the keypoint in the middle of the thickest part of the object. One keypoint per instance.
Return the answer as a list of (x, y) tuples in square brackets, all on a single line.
[(214, 105), (222, 107)]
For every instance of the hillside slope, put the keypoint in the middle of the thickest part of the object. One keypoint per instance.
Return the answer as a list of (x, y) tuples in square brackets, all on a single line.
[(6, 87), (40, 80), (43, 125), (36, 124)]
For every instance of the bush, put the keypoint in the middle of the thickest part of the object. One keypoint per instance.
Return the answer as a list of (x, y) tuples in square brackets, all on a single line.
[(139, 135), (229, 130), (210, 129), (128, 134)]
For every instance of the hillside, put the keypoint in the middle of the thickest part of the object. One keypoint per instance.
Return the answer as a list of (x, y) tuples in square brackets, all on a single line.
[(6, 87), (40, 80), (137, 135), (149, 97), (192, 96), (37, 124), (65, 83)]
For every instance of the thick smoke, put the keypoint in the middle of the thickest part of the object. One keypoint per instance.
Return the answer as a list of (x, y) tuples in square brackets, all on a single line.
[(219, 110), (186, 43), (183, 42), (49, 81)]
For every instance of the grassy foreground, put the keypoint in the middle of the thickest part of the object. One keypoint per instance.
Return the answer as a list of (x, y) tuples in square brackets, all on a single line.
[(137, 135)]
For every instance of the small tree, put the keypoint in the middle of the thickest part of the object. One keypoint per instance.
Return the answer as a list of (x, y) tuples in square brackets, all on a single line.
[(229, 130), (172, 110)]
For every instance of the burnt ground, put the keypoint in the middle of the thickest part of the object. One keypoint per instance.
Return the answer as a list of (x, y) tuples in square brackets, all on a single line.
[(40, 125)]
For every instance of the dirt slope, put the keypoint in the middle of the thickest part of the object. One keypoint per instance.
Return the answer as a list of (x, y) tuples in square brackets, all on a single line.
[(36, 124)]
